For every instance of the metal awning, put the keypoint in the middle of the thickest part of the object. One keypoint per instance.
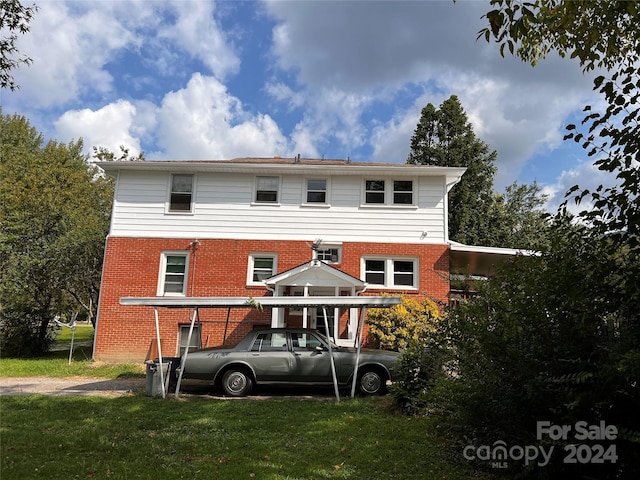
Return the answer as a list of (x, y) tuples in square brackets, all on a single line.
[(274, 302)]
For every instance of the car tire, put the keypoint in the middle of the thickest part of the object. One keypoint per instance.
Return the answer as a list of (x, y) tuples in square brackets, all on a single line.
[(371, 381), (237, 382)]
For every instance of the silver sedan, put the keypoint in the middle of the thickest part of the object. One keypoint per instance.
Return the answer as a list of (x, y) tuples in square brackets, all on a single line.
[(288, 356)]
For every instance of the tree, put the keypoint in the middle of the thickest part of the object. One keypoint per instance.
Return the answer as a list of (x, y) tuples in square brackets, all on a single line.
[(54, 217), (599, 33), (445, 137), (518, 219), (14, 18)]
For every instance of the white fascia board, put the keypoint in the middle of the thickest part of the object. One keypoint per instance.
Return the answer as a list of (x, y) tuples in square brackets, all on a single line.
[(452, 174), (274, 302), (460, 247)]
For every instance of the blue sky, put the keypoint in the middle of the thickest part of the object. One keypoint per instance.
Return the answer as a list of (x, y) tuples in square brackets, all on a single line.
[(196, 79)]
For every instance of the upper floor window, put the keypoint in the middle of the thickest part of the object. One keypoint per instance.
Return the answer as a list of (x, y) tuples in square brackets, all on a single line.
[(391, 272), (261, 267), (173, 273), (374, 191), (403, 192), (181, 195), (400, 192), (267, 189), (317, 190)]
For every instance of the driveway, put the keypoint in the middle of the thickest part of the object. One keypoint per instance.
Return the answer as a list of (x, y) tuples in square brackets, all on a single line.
[(105, 387)]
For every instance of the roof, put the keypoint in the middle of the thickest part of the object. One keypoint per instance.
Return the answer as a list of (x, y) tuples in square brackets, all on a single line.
[(479, 260), (274, 302), (312, 273), (279, 165)]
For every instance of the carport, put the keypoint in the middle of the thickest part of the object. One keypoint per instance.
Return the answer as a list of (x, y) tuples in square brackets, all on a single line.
[(197, 303)]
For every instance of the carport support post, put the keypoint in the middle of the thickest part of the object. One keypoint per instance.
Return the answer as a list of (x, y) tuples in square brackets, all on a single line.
[(183, 362), (363, 312), (333, 365), (155, 312)]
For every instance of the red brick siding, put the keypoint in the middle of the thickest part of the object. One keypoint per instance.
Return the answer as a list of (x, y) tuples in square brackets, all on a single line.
[(219, 268)]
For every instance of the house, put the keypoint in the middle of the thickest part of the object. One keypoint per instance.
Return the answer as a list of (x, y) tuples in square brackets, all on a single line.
[(254, 227)]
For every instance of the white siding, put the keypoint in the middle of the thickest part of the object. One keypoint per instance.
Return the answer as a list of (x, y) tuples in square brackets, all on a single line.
[(224, 208)]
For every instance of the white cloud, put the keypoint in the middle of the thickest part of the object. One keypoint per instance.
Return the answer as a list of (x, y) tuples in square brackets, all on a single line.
[(109, 127), (69, 50), (203, 121), (197, 33)]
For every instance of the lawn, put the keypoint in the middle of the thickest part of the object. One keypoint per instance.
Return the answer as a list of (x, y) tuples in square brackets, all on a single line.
[(136, 437)]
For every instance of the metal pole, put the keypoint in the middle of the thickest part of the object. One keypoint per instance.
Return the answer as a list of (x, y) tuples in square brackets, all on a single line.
[(155, 311), (183, 362), (333, 365), (73, 334), (363, 311)]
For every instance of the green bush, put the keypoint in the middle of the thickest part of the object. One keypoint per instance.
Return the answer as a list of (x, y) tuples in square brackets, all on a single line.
[(20, 334), (396, 327)]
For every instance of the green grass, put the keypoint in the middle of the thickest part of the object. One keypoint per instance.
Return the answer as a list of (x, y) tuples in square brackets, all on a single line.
[(136, 437), (56, 364), (84, 333)]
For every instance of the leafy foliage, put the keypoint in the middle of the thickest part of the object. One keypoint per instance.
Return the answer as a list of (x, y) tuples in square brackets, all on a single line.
[(54, 217), (396, 327), (599, 33), (14, 18)]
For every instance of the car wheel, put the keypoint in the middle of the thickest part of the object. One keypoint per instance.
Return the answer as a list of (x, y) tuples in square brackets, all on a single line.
[(372, 382), (236, 382)]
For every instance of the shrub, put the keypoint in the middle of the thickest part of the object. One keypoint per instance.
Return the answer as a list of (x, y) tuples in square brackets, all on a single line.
[(394, 328), (20, 334)]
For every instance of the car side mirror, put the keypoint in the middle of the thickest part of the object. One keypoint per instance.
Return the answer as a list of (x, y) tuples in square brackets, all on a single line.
[(319, 349)]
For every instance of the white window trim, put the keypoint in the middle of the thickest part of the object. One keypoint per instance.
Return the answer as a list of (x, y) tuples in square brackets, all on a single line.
[(305, 191), (388, 272), (254, 255), (388, 193), (254, 200), (167, 206), (163, 270)]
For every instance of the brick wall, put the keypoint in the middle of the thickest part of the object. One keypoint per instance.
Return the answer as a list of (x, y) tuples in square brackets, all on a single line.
[(219, 268)]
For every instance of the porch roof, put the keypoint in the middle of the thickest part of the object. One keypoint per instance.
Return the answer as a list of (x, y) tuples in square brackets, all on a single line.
[(479, 260), (316, 273)]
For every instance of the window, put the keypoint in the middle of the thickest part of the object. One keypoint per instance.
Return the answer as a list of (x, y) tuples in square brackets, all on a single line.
[(403, 192), (267, 189), (330, 254), (196, 339), (270, 342), (316, 190), (261, 267), (391, 272), (374, 272), (173, 274), (181, 195), (305, 341), (374, 191)]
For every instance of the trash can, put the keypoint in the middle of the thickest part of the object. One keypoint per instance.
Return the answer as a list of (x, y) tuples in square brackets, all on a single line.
[(154, 383)]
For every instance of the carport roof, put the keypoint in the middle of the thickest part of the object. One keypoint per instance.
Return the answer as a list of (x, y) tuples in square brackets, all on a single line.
[(274, 302)]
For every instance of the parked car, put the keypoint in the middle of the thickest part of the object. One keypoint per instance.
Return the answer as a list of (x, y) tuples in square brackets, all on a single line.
[(288, 356)]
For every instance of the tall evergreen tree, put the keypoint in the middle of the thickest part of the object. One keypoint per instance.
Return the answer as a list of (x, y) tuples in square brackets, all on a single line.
[(445, 137)]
